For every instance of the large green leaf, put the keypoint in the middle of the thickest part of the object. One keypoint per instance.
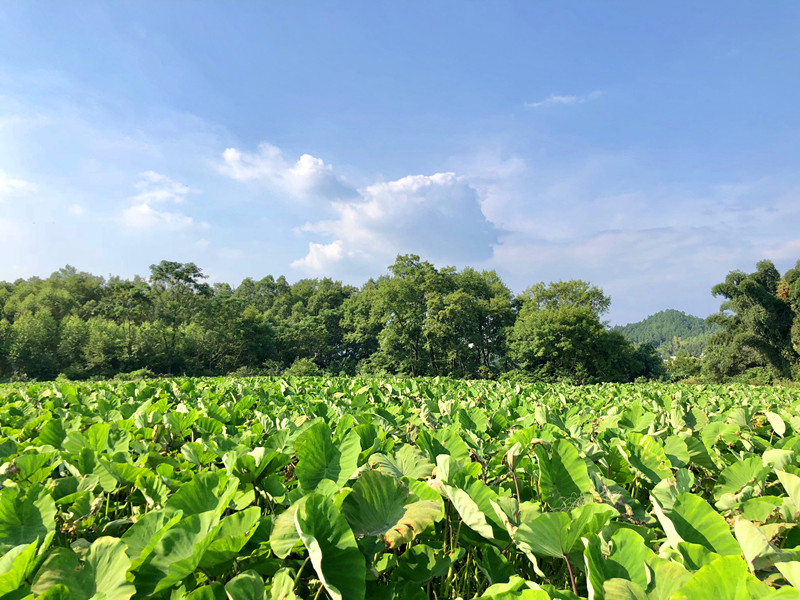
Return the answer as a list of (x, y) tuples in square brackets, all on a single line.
[(319, 459), (557, 533), (563, 476), (332, 548), (246, 586), (407, 461), (177, 553), (693, 520), (627, 560), (25, 516), (234, 532), (647, 458), (380, 505), (16, 566), (726, 578), (101, 577)]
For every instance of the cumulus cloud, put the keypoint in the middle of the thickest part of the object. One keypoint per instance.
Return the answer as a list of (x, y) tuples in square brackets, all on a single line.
[(308, 177), (9, 185), (556, 99), (436, 216)]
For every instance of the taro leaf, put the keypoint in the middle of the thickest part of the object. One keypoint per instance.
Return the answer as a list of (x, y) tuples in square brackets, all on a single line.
[(626, 561), (494, 565), (25, 516), (693, 520), (284, 536), (778, 426), (668, 490), (379, 506), (791, 483), (556, 533), (177, 554), (235, 530), (698, 454), (622, 589), (736, 476), (143, 535), (331, 547), (153, 489), (419, 564), (406, 462), (666, 576), (695, 556), (34, 467), (778, 458), (319, 459), (726, 578), (515, 589), (677, 451), (647, 458), (759, 509), (564, 478), (52, 433), (282, 586), (205, 492), (472, 499), (197, 454), (761, 554), (213, 591), (246, 586), (258, 463), (16, 566), (101, 577)]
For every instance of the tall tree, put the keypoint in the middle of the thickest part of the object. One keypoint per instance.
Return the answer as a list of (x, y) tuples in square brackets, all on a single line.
[(177, 292), (756, 322)]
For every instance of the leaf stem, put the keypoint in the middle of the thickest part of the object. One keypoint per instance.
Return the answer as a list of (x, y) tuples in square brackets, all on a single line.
[(571, 575)]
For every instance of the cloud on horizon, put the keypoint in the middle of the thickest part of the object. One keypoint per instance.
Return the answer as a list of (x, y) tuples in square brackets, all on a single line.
[(436, 216)]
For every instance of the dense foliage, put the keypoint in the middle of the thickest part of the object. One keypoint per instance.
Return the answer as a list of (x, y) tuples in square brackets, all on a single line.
[(760, 321), (409, 489), (416, 320), (671, 332)]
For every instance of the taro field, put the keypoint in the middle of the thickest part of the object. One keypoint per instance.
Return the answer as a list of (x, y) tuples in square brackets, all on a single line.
[(268, 488)]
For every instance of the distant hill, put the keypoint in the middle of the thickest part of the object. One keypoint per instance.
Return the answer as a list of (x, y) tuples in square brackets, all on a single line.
[(670, 331)]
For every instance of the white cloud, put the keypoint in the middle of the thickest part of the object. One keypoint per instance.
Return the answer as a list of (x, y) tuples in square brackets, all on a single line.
[(154, 187), (556, 99), (309, 177), (76, 210), (9, 185), (319, 257), (143, 216), (437, 216)]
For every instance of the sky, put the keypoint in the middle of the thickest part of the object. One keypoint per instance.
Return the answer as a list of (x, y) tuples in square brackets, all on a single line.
[(648, 148)]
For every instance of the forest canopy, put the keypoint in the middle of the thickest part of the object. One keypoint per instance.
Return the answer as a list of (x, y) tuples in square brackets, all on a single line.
[(415, 320)]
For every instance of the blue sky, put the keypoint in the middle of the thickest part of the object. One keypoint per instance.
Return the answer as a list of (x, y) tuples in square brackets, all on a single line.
[(649, 148)]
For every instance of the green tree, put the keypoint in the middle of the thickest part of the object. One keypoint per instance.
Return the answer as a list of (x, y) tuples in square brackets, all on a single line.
[(34, 345), (177, 293), (756, 323)]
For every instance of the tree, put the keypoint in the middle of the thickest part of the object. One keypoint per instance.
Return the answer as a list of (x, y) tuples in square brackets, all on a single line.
[(177, 292), (756, 322), (558, 335)]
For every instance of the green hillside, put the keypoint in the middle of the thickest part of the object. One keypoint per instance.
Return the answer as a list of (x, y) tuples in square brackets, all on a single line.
[(670, 331)]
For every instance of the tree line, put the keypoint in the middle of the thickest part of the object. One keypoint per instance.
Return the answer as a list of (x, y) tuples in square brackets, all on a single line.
[(415, 320)]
